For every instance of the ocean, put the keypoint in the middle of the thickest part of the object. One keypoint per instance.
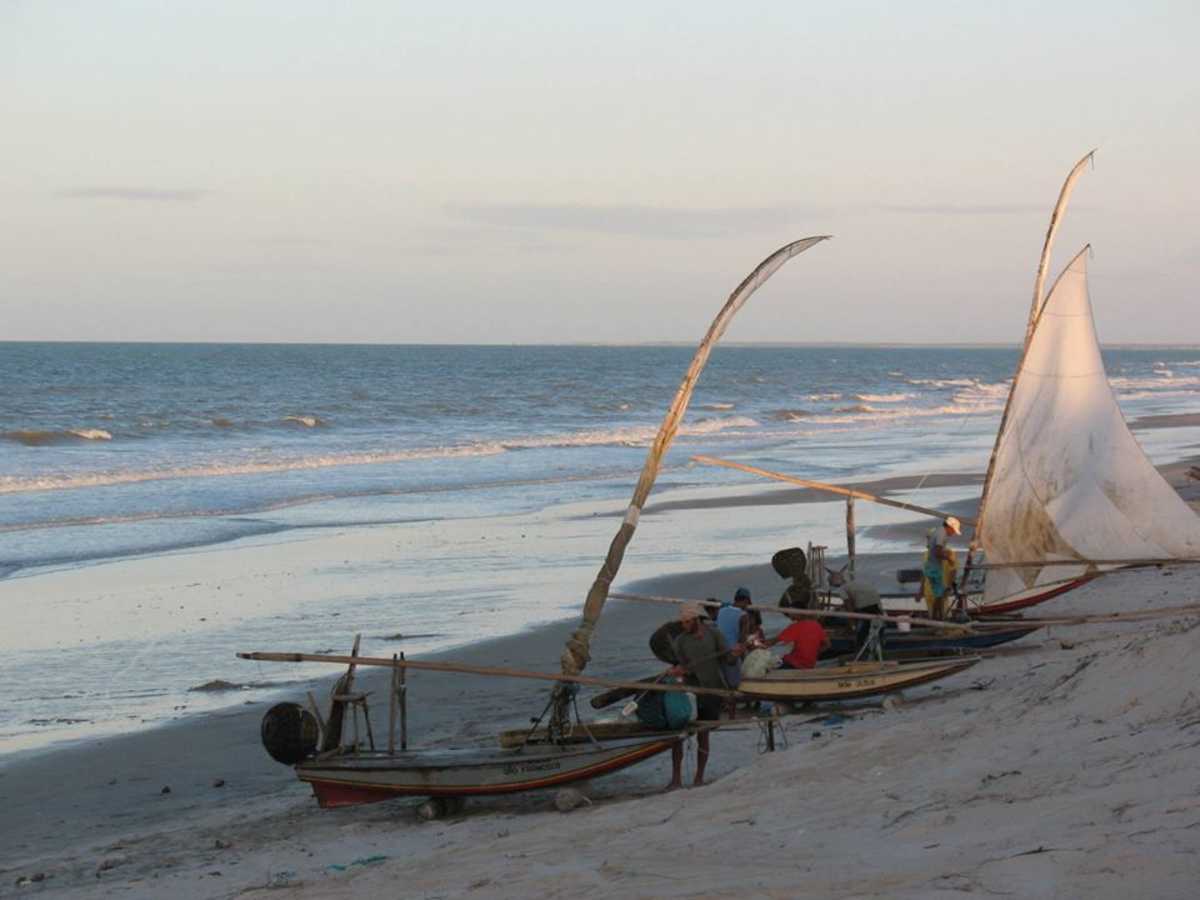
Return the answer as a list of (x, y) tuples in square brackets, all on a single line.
[(113, 452)]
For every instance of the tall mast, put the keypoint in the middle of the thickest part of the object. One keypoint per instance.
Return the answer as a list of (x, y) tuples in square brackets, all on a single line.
[(576, 654), (1035, 308)]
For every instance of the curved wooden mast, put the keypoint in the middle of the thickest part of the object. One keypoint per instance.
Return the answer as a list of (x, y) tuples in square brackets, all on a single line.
[(1035, 309), (577, 652)]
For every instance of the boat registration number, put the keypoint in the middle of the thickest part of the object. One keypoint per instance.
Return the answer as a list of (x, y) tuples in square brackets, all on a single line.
[(858, 682), (548, 765)]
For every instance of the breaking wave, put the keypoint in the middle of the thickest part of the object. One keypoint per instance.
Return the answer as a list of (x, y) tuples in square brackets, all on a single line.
[(306, 421), (46, 438), (883, 398), (634, 436), (1163, 380), (790, 415), (864, 413)]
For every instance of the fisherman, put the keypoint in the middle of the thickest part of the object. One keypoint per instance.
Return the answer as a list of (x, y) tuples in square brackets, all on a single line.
[(807, 638), (734, 624), (662, 642), (792, 563), (858, 597), (939, 568), (700, 651)]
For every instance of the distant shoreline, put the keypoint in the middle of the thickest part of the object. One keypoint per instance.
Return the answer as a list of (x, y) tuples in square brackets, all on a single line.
[(774, 345)]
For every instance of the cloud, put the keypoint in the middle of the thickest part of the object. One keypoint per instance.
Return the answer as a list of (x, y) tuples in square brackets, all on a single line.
[(645, 221), (152, 195), (964, 209)]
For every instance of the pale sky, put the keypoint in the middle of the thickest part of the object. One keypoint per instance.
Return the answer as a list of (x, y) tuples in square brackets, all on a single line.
[(532, 172)]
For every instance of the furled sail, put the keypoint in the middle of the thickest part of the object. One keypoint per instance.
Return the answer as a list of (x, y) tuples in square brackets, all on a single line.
[(1070, 480)]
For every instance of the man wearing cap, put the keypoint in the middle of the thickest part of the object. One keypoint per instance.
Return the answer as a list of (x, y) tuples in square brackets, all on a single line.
[(701, 651), (940, 566)]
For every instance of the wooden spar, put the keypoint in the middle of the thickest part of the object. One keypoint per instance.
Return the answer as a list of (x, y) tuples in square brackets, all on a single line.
[(811, 613), (827, 488), (1039, 284), (1044, 563), (500, 672), (393, 698), (1190, 609), (850, 535), (576, 654), (403, 703)]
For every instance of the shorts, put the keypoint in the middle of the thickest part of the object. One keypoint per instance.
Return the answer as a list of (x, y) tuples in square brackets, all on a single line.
[(708, 707)]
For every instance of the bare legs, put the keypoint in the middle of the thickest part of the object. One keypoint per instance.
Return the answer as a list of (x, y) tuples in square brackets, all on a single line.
[(677, 761)]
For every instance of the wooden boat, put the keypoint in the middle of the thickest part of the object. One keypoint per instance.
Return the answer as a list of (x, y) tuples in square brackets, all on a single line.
[(366, 776), (1069, 493), (345, 773), (979, 636), (850, 681)]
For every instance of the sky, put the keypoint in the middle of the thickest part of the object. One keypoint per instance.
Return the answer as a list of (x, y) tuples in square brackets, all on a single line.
[(533, 172)]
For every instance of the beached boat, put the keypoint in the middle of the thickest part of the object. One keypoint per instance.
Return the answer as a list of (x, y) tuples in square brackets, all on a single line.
[(1069, 492), (366, 776), (850, 681), (345, 772), (898, 644)]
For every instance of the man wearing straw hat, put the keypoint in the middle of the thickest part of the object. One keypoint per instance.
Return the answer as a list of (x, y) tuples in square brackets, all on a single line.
[(940, 567), (701, 651)]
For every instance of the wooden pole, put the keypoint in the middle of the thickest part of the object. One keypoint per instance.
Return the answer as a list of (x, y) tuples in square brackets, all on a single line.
[(403, 703), (1045, 563), (828, 488), (850, 534), (962, 627), (393, 700), (497, 671), (1035, 311), (577, 651)]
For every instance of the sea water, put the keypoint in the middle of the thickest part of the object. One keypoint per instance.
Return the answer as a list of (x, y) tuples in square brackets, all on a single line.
[(116, 451)]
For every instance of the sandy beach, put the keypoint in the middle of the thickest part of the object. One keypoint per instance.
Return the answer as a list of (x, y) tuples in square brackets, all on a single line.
[(1062, 765)]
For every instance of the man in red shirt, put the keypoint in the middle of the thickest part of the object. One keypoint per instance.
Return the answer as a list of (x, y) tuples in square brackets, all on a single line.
[(807, 638)]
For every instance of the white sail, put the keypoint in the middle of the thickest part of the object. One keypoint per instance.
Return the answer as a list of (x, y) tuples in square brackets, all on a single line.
[(1070, 480)]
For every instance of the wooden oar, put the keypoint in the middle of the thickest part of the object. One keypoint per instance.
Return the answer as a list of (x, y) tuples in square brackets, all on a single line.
[(828, 488)]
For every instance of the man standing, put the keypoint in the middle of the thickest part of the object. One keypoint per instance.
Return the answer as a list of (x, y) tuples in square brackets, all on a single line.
[(701, 651), (734, 623), (939, 570)]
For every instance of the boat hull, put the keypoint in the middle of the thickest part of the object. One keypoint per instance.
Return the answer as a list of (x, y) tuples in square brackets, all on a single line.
[(850, 681), (369, 776), (929, 641), (1033, 598)]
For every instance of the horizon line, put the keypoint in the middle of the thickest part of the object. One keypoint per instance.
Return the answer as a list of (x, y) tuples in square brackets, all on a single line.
[(1115, 345)]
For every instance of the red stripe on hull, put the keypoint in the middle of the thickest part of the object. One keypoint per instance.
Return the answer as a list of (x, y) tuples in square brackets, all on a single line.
[(331, 793), (1033, 600)]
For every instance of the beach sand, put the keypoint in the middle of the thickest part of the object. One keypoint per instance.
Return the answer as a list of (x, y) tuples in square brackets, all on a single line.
[(1064, 766)]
